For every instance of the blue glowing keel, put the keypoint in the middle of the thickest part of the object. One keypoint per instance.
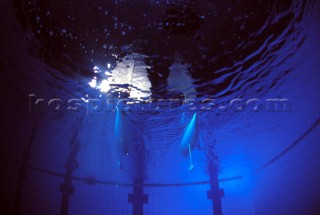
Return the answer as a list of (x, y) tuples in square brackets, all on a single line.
[(119, 128), (190, 157), (119, 131), (189, 139), (190, 136)]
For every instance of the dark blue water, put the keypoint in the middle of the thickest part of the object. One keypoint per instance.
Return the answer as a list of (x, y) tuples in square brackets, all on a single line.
[(249, 70)]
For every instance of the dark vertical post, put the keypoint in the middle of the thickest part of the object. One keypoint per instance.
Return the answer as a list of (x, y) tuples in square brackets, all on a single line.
[(66, 187), (215, 194), (137, 198), (137, 151), (23, 170)]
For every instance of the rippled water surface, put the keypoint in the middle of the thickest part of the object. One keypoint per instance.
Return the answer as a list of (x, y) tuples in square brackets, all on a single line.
[(140, 48), (157, 60)]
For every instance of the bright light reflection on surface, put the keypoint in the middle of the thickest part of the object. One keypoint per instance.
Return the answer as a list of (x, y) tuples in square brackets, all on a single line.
[(129, 76), (104, 86), (93, 83)]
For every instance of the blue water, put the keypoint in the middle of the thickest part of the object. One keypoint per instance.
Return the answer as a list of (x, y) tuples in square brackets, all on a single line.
[(158, 63)]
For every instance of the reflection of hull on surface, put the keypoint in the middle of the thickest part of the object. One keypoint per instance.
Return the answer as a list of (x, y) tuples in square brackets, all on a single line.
[(190, 136)]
